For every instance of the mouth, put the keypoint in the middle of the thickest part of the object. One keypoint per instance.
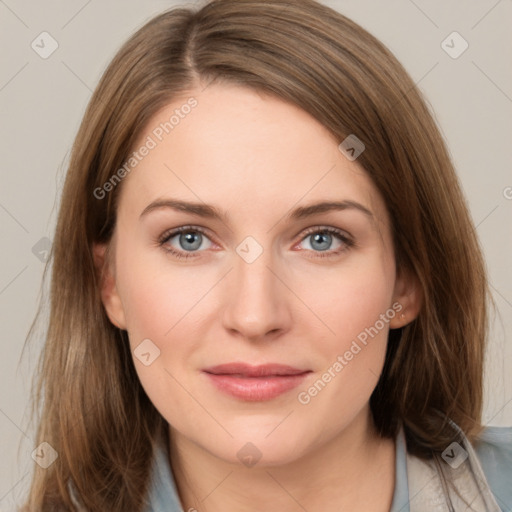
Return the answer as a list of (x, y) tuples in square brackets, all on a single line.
[(255, 383)]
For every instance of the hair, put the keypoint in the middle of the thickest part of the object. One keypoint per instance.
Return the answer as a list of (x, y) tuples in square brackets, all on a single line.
[(93, 410)]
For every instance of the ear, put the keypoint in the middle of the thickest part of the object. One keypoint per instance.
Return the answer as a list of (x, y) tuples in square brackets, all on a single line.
[(408, 297), (109, 294)]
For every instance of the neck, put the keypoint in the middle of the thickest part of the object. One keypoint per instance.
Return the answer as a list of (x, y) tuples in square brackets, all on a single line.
[(354, 470)]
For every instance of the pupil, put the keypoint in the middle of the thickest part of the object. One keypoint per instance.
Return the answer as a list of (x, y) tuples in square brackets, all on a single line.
[(319, 238), (193, 240)]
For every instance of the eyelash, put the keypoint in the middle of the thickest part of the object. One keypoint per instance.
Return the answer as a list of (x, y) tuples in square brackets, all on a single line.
[(348, 242)]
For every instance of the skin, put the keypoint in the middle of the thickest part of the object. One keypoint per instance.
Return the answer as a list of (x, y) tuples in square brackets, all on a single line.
[(257, 158)]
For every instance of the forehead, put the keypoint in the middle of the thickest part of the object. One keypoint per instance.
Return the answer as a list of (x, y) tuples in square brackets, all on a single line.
[(247, 152)]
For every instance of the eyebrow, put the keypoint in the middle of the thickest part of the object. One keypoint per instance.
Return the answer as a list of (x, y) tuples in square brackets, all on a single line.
[(210, 212), (327, 206)]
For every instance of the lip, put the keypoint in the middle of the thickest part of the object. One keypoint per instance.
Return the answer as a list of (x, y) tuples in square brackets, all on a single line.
[(255, 383)]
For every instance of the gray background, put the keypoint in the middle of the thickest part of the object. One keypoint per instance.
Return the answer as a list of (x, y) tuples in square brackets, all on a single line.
[(43, 100)]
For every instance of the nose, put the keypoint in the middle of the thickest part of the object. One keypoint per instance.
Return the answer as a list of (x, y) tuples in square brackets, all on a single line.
[(257, 301)]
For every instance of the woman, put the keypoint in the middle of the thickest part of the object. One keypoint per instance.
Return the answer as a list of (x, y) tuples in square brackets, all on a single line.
[(267, 292)]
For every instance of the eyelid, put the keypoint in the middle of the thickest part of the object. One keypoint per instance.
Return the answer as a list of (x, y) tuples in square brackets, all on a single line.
[(180, 254), (170, 233), (346, 239), (328, 229)]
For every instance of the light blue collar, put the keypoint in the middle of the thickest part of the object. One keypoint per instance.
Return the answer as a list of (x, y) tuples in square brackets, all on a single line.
[(163, 495), (401, 494), (417, 482)]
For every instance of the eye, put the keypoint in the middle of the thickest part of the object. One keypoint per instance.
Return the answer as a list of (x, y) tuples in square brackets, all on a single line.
[(321, 239), (184, 241)]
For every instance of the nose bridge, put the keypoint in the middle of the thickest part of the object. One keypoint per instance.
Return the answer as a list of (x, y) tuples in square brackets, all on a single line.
[(257, 301)]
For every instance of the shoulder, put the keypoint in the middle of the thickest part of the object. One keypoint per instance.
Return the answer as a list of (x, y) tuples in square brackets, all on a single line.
[(494, 451)]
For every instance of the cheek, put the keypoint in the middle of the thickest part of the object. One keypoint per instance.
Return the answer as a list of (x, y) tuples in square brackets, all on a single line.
[(162, 304), (351, 300), (356, 305), (157, 301), (158, 307)]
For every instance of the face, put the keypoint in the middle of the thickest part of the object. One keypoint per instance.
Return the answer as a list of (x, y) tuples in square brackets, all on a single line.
[(252, 315)]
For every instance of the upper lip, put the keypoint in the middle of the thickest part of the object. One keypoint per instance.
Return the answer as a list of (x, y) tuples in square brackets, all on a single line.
[(247, 370)]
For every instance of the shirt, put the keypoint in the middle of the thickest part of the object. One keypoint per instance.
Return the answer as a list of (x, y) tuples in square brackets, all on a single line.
[(493, 450)]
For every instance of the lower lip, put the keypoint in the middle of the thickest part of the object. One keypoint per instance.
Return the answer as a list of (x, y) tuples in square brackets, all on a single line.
[(256, 389)]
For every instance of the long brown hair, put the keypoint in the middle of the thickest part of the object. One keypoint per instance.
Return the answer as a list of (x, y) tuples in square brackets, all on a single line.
[(94, 412)]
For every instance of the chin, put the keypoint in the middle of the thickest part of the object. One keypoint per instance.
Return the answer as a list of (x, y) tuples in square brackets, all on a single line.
[(256, 448)]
